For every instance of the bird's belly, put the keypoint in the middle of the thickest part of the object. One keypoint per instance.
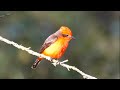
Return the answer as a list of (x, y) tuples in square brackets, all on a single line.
[(55, 50)]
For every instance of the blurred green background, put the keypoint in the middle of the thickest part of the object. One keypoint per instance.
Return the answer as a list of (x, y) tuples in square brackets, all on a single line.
[(95, 50)]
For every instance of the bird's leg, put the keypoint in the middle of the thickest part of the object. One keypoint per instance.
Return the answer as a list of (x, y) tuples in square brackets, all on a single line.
[(51, 59)]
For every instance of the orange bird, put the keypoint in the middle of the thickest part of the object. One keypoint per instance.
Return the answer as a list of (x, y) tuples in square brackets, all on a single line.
[(55, 45)]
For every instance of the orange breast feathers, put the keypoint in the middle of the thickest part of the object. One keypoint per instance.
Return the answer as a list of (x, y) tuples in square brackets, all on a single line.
[(57, 49)]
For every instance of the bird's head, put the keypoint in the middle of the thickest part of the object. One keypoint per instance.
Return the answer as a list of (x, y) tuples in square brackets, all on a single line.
[(66, 33)]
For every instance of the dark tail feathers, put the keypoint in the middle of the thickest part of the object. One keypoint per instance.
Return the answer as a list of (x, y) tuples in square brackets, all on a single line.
[(36, 63)]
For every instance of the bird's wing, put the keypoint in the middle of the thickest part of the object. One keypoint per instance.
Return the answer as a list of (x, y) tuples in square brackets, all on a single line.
[(50, 40)]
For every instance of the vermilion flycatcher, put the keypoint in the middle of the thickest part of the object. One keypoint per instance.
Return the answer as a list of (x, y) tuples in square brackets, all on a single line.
[(55, 45)]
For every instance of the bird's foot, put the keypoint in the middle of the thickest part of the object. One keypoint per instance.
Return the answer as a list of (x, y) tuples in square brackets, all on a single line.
[(51, 60)]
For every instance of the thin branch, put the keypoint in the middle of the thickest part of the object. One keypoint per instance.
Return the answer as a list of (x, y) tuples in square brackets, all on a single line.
[(55, 62)]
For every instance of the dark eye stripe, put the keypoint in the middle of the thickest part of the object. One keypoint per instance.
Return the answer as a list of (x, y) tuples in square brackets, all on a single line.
[(64, 35)]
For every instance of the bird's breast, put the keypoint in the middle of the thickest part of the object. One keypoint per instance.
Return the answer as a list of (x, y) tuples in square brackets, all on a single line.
[(57, 49)]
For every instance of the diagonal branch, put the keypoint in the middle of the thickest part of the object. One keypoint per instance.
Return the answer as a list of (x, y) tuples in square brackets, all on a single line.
[(55, 62)]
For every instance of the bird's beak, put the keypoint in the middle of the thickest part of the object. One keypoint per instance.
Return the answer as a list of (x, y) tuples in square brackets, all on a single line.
[(72, 37)]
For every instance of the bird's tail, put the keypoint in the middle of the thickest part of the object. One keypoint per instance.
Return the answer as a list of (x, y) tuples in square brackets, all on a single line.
[(36, 63)]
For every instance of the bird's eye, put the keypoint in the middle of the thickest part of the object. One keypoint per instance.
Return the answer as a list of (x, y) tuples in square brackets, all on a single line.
[(65, 35)]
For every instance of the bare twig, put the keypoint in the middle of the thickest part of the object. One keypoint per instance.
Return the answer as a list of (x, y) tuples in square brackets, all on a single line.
[(55, 62)]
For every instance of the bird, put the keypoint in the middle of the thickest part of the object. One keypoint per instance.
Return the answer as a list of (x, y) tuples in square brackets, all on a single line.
[(55, 45)]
